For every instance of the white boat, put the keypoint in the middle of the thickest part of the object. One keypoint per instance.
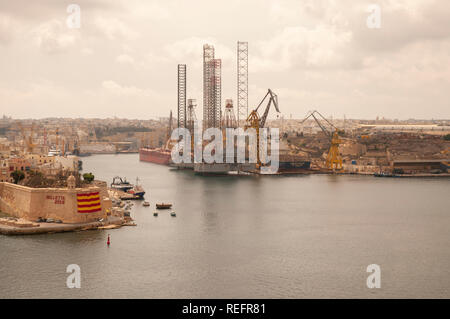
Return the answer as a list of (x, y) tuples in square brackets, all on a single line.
[(54, 152)]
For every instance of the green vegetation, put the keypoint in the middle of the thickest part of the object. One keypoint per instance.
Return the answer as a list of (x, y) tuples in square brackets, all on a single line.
[(88, 177), (17, 175), (447, 137), (36, 179)]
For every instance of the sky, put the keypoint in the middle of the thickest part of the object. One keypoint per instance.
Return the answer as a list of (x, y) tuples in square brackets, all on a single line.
[(314, 54)]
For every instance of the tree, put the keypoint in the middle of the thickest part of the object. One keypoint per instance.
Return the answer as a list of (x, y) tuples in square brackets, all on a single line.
[(447, 137), (17, 175), (88, 177)]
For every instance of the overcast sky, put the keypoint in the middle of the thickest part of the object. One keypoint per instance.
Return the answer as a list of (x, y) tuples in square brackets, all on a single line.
[(315, 54)]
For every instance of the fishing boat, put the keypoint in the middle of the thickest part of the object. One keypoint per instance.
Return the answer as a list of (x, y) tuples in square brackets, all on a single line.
[(129, 191), (137, 191), (121, 184), (163, 206)]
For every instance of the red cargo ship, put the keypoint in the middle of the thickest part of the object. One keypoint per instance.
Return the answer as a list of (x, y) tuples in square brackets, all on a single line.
[(154, 155)]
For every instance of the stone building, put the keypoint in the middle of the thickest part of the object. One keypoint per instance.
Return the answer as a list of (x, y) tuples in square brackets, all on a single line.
[(70, 204)]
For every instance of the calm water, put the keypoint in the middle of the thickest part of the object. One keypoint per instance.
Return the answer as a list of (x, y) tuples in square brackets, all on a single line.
[(247, 237)]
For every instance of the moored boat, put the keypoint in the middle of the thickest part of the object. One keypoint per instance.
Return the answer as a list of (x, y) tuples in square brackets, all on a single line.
[(127, 190), (137, 191), (155, 155), (163, 206), (121, 184)]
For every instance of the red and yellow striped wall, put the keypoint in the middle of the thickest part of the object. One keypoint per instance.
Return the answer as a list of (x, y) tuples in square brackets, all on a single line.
[(89, 202)]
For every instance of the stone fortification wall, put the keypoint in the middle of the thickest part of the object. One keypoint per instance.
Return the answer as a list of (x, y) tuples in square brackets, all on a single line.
[(57, 203)]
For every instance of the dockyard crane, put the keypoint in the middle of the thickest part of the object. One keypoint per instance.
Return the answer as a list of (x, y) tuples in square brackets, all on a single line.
[(334, 158), (256, 122)]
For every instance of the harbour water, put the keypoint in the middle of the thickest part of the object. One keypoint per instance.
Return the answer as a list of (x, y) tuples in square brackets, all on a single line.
[(247, 237)]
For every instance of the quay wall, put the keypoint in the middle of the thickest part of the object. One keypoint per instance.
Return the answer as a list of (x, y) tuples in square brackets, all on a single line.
[(57, 203)]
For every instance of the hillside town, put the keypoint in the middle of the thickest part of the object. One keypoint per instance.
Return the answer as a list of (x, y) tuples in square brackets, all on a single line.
[(54, 146), (41, 183)]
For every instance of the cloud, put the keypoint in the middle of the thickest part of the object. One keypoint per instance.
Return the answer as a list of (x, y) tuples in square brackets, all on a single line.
[(114, 88), (278, 13), (300, 47), (86, 51), (35, 99), (115, 29), (190, 50), (403, 23), (149, 10), (124, 59), (54, 36), (311, 52), (8, 27)]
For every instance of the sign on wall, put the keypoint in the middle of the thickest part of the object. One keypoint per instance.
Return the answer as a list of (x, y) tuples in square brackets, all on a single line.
[(57, 198)]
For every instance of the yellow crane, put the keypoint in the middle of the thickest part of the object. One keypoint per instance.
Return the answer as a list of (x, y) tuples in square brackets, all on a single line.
[(334, 158), (256, 122)]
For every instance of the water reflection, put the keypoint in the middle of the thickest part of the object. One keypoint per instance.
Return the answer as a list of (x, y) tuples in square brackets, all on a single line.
[(246, 237)]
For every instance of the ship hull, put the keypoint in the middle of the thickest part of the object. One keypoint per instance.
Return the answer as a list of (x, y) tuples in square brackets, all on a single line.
[(156, 156), (138, 195), (295, 165)]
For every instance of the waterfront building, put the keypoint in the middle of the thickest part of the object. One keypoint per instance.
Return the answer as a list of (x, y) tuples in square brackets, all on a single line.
[(67, 204)]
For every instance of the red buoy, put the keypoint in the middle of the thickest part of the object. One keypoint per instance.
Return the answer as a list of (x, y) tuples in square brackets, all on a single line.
[(109, 241)]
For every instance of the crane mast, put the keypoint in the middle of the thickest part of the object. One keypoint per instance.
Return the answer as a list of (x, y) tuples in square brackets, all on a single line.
[(334, 158), (256, 122)]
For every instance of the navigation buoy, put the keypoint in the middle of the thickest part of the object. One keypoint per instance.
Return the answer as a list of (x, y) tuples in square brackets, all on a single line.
[(109, 241)]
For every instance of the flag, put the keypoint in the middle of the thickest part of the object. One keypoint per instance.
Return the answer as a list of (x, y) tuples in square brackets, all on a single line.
[(89, 202)]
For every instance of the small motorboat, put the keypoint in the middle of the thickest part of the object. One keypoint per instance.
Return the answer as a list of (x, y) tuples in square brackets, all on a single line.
[(163, 206), (172, 213), (146, 204), (155, 214)]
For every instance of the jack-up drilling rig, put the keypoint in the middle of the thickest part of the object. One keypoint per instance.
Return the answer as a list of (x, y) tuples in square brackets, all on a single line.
[(334, 158), (256, 122)]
